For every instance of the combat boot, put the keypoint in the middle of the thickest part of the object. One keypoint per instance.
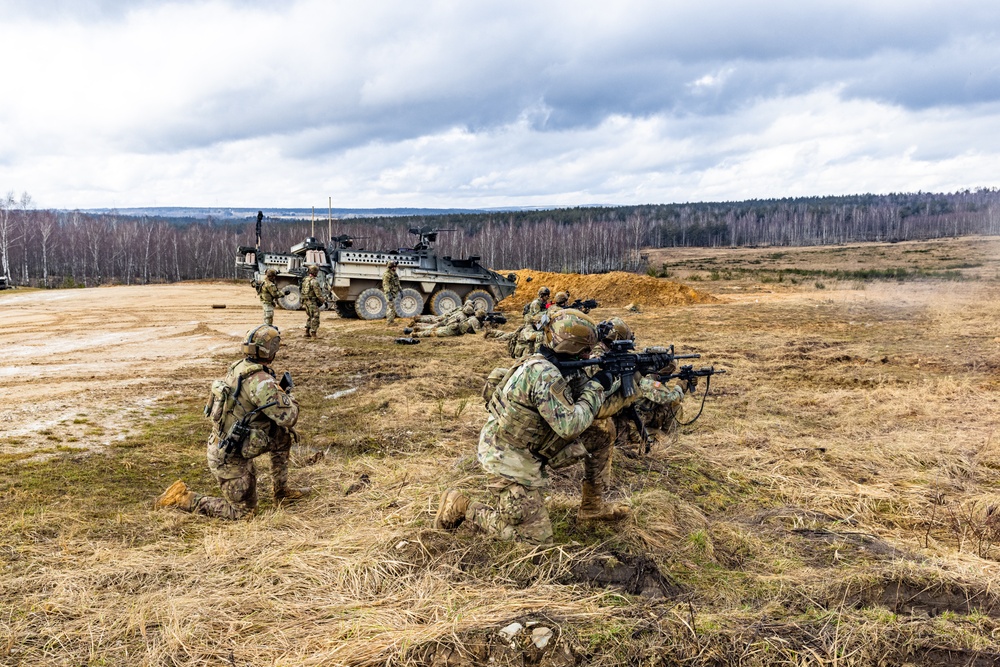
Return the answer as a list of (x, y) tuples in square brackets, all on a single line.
[(451, 510), (177, 495), (290, 494), (593, 507), (407, 330)]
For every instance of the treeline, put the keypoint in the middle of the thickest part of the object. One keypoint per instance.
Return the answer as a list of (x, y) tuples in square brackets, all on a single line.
[(69, 248)]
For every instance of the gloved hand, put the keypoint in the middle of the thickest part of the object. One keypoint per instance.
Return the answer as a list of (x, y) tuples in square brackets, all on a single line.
[(683, 386), (605, 378)]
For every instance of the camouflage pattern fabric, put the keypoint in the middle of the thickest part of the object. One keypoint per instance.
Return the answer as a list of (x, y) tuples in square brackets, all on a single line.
[(270, 432), (529, 341), (392, 289), (269, 294), (535, 308), (312, 298), (519, 514), (468, 325), (531, 418)]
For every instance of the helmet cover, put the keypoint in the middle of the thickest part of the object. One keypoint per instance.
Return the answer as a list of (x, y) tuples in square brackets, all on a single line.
[(262, 342), (570, 332)]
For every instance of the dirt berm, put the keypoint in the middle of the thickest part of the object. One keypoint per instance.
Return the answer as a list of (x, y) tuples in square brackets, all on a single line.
[(615, 289)]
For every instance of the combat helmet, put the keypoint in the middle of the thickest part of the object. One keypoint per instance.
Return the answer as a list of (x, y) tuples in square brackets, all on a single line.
[(570, 332), (616, 330), (313, 269), (261, 343), (543, 292), (469, 308), (562, 298), (271, 273)]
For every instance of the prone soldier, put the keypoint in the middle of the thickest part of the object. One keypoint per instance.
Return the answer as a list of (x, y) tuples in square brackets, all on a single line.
[(252, 414), (467, 325)]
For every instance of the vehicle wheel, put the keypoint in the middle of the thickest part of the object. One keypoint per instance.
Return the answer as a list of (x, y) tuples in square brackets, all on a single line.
[(292, 300), (445, 301), (371, 304), (481, 298), (410, 303), (346, 309)]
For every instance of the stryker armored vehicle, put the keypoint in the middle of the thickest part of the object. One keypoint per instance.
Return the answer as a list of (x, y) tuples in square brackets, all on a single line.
[(352, 279)]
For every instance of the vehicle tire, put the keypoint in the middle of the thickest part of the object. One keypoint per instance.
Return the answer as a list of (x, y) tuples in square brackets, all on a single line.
[(346, 309), (445, 301), (410, 303), (481, 298), (371, 304), (292, 300)]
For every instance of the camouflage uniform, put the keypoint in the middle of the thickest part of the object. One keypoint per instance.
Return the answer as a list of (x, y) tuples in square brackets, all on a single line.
[(252, 385), (467, 325), (529, 339), (456, 316), (268, 295), (534, 417), (392, 289), (535, 308), (312, 299)]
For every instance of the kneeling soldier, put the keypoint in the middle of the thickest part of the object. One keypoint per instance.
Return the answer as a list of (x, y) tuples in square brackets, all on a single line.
[(251, 415)]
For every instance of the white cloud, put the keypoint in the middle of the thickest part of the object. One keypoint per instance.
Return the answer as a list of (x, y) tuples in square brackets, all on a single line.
[(488, 104)]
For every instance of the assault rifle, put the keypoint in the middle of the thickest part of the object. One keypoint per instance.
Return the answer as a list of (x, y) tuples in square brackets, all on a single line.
[(690, 375), (584, 304), (495, 318), (623, 362), (239, 431)]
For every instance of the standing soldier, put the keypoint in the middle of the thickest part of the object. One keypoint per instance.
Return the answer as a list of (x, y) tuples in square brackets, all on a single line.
[(269, 294), (250, 395), (390, 285), (312, 298), (535, 417)]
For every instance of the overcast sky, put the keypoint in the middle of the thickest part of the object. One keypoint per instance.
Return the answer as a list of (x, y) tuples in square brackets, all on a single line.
[(475, 103)]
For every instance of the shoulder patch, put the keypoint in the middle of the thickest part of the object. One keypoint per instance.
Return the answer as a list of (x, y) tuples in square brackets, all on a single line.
[(283, 400)]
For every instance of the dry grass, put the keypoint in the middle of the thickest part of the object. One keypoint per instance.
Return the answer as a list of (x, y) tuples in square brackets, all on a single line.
[(835, 505)]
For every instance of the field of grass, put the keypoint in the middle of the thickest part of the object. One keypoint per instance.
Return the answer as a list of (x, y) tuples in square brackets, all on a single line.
[(837, 503)]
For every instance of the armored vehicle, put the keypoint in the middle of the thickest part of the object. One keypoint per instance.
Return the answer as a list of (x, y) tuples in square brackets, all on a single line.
[(352, 279)]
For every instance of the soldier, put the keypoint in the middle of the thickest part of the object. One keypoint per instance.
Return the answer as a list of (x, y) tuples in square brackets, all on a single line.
[(537, 306), (312, 298), (390, 285), (456, 316), (561, 301), (610, 424), (535, 415), (269, 294), (467, 325), (248, 390)]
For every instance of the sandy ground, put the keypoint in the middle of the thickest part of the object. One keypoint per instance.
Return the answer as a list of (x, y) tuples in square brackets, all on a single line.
[(86, 365)]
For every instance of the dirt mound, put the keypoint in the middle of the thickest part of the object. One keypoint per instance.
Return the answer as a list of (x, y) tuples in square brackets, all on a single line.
[(615, 289)]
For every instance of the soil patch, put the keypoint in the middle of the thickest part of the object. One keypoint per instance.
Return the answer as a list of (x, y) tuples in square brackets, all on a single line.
[(611, 290)]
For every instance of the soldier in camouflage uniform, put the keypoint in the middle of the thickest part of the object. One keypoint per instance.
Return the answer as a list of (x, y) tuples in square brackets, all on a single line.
[(535, 418), (269, 294), (249, 386), (611, 424), (537, 306), (467, 325), (312, 298), (392, 289), (561, 301), (452, 319)]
